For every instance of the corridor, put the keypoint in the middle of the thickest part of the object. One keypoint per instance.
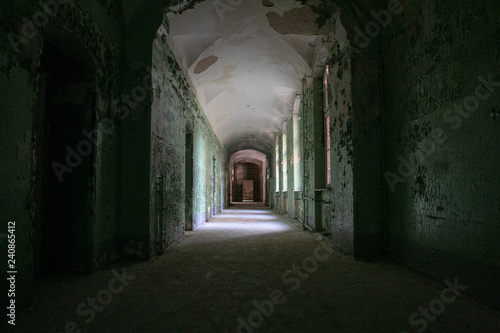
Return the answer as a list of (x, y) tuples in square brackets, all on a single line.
[(250, 166), (233, 267), (135, 136)]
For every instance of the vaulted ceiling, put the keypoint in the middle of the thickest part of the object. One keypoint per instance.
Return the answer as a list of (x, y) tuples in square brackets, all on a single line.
[(245, 60), (247, 156)]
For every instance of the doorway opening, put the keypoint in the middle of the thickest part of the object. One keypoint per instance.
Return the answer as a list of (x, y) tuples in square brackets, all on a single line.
[(247, 177), (247, 190), (189, 181), (214, 186), (64, 171), (247, 185)]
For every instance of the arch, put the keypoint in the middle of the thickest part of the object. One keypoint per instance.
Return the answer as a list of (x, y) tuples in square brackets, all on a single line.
[(246, 143), (247, 172), (240, 166), (65, 150)]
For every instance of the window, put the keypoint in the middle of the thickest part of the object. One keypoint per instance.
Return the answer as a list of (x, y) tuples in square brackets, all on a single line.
[(297, 178), (284, 160), (325, 87), (277, 168)]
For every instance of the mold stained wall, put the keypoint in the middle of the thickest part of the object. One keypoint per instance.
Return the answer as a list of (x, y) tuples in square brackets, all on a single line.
[(339, 197), (271, 181), (175, 110), (442, 210), (19, 88), (292, 198), (308, 127), (278, 194), (290, 202), (313, 153), (340, 111), (350, 208), (167, 181)]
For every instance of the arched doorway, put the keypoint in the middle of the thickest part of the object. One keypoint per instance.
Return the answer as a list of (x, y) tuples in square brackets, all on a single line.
[(247, 182), (65, 148), (247, 176)]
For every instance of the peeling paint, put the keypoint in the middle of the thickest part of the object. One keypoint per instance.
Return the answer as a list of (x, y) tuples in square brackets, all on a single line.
[(298, 21)]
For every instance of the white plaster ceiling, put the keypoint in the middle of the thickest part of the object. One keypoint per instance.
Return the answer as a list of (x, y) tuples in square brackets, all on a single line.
[(247, 156), (245, 62)]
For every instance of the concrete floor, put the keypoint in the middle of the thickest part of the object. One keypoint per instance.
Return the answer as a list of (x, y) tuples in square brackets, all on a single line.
[(246, 254)]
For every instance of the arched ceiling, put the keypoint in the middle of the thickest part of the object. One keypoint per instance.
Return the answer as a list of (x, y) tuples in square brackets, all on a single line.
[(248, 156), (245, 60)]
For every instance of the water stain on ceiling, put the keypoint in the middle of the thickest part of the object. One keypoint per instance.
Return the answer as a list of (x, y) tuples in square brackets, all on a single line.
[(204, 64)]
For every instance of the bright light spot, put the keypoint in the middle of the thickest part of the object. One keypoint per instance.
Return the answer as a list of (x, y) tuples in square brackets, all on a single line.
[(254, 227), (245, 217), (235, 223)]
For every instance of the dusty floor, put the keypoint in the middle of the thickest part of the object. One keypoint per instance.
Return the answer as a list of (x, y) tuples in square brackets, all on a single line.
[(212, 278)]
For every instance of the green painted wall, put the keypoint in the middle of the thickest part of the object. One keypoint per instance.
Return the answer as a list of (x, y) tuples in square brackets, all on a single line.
[(175, 108), (308, 157), (290, 170), (135, 200), (443, 193), (21, 94), (168, 133), (137, 235), (415, 163), (342, 149), (279, 176)]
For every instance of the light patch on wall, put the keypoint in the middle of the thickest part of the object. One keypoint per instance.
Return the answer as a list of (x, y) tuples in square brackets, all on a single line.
[(204, 64)]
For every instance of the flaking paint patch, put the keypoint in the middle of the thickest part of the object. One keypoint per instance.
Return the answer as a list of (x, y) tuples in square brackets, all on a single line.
[(205, 63), (267, 3), (175, 102), (298, 21), (444, 206)]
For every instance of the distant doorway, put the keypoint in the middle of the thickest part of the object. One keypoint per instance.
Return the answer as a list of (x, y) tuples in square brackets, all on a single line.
[(251, 175), (247, 190)]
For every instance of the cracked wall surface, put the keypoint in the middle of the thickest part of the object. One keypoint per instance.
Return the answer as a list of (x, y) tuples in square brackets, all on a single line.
[(441, 144), (175, 111), (21, 81)]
